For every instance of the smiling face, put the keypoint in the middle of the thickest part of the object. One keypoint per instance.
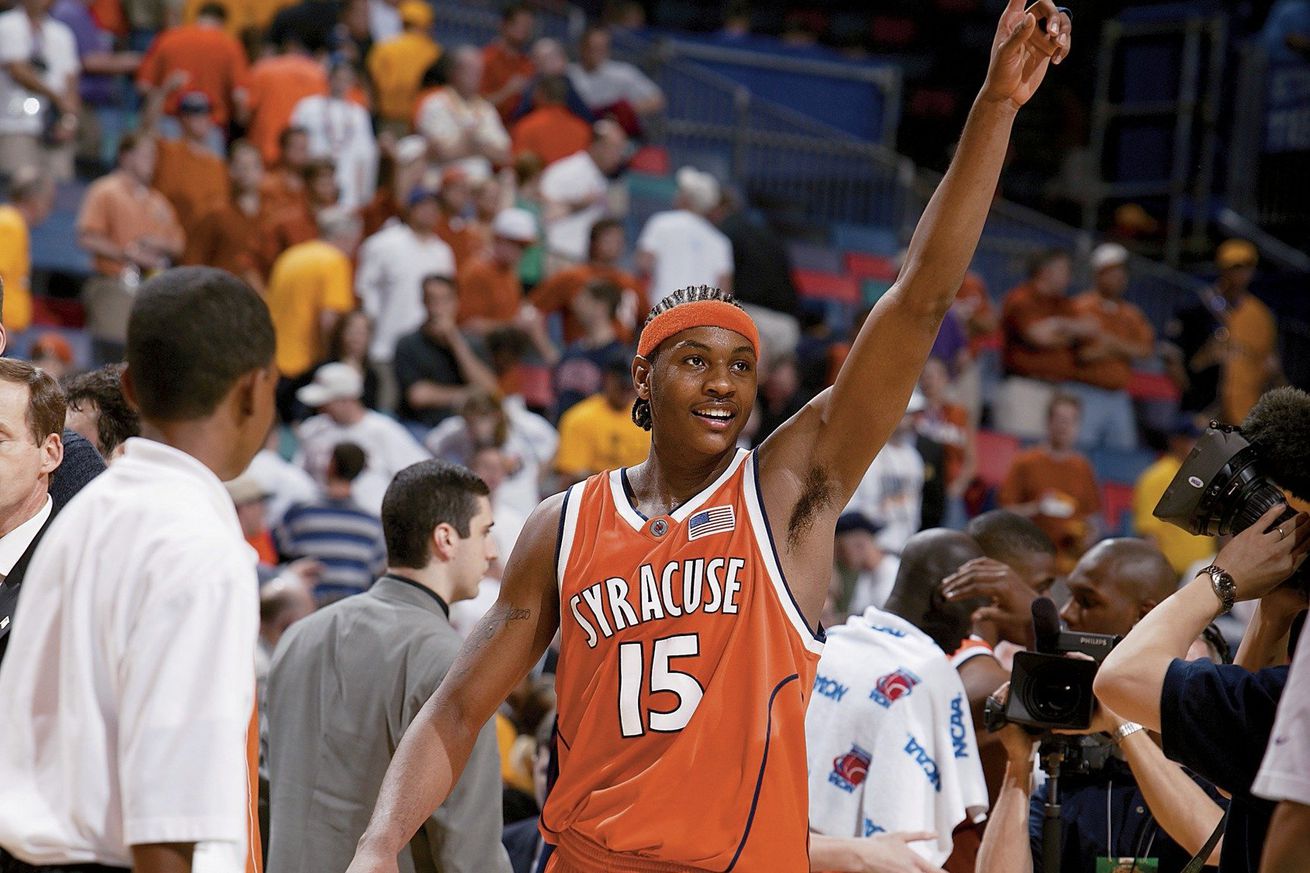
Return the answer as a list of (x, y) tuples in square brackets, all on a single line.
[(701, 387)]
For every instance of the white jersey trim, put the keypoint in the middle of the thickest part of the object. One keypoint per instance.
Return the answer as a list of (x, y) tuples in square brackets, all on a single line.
[(568, 527)]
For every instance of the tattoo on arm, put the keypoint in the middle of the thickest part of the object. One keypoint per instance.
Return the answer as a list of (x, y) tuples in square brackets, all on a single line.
[(519, 614)]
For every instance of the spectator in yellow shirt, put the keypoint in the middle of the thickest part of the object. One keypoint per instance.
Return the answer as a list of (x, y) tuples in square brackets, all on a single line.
[(32, 196), (1252, 359), (396, 66), (599, 433), (1180, 548), (308, 291)]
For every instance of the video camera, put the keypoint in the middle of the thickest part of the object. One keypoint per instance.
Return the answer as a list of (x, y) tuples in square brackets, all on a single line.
[(1048, 690)]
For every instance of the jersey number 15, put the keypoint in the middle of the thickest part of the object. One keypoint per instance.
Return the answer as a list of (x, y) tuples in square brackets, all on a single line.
[(632, 677)]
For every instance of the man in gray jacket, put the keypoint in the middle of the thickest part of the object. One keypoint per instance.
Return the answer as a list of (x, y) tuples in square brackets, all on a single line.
[(347, 681)]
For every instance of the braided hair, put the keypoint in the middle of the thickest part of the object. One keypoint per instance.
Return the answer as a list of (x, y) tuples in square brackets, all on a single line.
[(691, 294)]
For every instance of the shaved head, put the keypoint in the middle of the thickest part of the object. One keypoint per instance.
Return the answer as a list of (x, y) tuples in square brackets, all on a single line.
[(1116, 583), (929, 557)]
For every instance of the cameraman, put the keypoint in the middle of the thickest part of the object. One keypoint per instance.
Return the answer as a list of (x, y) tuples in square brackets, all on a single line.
[(1217, 719), (1127, 808)]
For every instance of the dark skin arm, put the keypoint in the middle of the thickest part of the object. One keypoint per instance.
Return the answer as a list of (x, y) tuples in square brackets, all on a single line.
[(1289, 839), (811, 465), (435, 748), (162, 858)]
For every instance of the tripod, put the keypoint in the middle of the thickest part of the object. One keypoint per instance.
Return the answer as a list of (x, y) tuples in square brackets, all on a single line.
[(1051, 752)]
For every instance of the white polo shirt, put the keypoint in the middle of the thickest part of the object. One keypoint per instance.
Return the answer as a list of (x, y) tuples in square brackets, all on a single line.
[(1285, 772), (129, 682), (577, 182), (688, 250)]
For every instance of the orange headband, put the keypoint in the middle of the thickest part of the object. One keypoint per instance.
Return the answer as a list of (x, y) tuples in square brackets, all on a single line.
[(702, 313)]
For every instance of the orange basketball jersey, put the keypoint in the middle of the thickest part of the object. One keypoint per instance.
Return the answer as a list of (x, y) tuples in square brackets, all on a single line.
[(685, 670)]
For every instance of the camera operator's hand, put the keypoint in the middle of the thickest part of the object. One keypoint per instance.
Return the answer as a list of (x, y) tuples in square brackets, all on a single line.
[(1260, 561), (1019, 745), (1010, 615), (1104, 721)]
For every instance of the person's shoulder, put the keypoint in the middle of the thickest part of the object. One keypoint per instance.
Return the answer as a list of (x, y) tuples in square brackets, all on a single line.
[(582, 410)]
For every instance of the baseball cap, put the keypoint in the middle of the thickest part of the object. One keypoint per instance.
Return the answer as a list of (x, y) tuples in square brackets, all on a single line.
[(245, 489), (194, 103), (332, 382), (53, 345), (700, 189), (410, 148), (515, 224), (1236, 253), (416, 13), (1108, 255), (421, 193), (853, 521)]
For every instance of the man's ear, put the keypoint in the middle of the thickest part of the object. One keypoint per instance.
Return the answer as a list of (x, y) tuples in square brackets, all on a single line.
[(444, 538), (641, 372), (52, 453)]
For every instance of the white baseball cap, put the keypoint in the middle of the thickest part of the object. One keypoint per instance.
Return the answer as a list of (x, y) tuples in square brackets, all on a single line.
[(700, 189), (1108, 255), (332, 382), (410, 148), (515, 224)]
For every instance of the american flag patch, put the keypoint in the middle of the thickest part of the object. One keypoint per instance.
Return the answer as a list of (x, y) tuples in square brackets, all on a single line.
[(716, 519)]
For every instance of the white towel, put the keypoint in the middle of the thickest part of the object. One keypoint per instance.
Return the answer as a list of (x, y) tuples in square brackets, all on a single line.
[(891, 743)]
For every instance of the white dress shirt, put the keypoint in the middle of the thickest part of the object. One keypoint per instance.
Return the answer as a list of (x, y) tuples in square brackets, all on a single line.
[(15, 543), (389, 282), (129, 683), (386, 443), (688, 250)]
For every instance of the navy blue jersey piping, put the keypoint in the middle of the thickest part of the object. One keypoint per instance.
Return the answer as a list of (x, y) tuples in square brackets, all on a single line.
[(821, 635), (759, 780)]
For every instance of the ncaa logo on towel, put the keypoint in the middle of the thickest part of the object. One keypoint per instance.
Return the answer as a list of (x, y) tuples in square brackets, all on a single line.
[(893, 687), (850, 769)]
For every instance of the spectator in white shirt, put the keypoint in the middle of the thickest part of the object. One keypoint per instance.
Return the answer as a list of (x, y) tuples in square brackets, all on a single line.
[(863, 574), (457, 121), (392, 265), (336, 392), (129, 688), (341, 131), (575, 191), (682, 248), (891, 492), (611, 87), (39, 70)]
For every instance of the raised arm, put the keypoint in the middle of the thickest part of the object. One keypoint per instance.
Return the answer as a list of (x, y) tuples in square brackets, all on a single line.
[(874, 384), (498, 653)]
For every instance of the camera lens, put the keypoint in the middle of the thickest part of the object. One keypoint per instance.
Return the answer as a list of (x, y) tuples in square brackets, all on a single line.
[(1052, 694)]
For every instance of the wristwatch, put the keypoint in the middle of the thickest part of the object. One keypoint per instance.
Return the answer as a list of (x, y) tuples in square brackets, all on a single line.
[(1125, 730), (1223, 586)]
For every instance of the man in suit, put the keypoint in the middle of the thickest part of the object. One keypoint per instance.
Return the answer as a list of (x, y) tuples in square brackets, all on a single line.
[(32, 412), (347, 681)]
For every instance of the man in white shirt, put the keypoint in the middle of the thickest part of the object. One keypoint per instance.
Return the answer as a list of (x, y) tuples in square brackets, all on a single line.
[(608, 86), (576, 189), (129, 687), (681, 248), (864, 573), (1285, 772), (341, 131), (392, 266), (891, 491), (38, 90), (336, 392), (457, 121), (32, 413)]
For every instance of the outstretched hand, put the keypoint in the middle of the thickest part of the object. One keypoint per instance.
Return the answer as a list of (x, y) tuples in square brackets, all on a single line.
[(1022, 52)]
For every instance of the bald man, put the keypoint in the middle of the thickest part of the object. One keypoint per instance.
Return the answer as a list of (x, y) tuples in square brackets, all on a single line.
[(1115, 585)]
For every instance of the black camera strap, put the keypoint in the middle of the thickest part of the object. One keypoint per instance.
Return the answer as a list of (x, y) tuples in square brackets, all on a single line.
[(1198, 861)]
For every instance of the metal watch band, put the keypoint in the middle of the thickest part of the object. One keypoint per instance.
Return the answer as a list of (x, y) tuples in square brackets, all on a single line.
[(1126, 730), (1223, 586)]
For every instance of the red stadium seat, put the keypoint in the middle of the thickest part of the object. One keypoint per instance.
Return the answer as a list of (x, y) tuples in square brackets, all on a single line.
[(827, 286), (1117, 507), (1153, 386), (996, 453), (866, 266), (652, 160)]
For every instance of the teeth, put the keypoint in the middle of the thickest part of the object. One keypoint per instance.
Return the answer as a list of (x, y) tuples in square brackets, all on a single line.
[(716, 414)]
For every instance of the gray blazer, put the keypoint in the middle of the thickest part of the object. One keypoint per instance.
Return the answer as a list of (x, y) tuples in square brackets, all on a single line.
[(344, 684)]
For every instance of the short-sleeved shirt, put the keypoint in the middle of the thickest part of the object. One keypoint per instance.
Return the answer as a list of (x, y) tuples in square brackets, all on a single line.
[(421, 358), (117, 207), (581, 372), (593, 436), (688, 251), (1217, 720), (467, 239), (389, 282), (610, 83), (573, 180), (555, 293), (1023, 307), (277, 84), (1253, 340), (52, 43), (1182, 549), (213, 60), (500, 63), (15, 270), (308, 280), (129, 679), (229, 239), (341, 536), (550, 133), (1285, 773), (396, 67), (1068, 480), (489, 290), (1120, 319), (193, 179), (389, 446)]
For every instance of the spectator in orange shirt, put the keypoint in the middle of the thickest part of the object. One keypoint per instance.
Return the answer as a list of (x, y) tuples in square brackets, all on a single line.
[(556, 293), (490, 294), (207, 59), (298, 224), (948, 425), (550, 131), (277, 84), (192, 177), (396, 66), (283, 186), (454, 226), (506, 67), (230, 235), (1042, 331), (1105, 363), (1054, 485)]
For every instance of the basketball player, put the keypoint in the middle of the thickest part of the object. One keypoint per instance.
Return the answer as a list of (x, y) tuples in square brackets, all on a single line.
[(687, 589)]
